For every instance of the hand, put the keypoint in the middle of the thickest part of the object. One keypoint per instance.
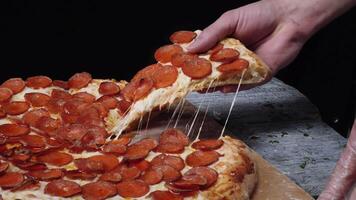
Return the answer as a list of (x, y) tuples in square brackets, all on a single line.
[(344, 175), (275, 29)]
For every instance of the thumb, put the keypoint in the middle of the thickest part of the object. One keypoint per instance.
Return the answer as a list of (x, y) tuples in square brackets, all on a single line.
[(222, 27)]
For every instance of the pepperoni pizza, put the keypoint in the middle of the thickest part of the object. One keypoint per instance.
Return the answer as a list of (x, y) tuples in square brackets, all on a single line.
[(63, 139)]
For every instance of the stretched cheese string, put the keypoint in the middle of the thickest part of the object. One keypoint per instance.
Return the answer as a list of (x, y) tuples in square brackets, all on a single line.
[(139, 124), (232, 104), (198, 110), (203, 121), (174, 113), (148, 120), (181, 111)]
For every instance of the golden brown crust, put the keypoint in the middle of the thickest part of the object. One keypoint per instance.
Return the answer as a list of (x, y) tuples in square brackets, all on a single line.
[(237, 173)]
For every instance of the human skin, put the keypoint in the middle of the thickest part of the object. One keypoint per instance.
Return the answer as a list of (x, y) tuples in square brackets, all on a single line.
[(277, 30)]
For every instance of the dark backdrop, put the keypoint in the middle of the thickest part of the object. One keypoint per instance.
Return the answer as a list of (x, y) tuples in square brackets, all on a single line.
[(107, 39)]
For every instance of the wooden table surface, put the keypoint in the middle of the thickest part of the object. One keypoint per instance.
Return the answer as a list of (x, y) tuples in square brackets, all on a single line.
[(284, 127)]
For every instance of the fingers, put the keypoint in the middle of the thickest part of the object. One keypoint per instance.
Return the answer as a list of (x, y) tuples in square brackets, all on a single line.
[(222, 27), (344, 173)]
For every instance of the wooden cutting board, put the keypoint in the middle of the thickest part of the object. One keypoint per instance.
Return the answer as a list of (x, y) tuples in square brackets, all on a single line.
[(272, 184)]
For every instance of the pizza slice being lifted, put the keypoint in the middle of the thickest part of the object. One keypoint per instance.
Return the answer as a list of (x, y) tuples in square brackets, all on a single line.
[(178, 72)]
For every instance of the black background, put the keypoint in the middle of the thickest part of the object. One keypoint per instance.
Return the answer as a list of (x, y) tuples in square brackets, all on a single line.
[(115, 39)]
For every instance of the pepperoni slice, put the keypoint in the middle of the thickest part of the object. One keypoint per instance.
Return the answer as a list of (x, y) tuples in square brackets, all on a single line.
[(89, 165), (62, 188), (30, 166), (13, 130), (72, 132), (60, 94), (103, 112), (31, 117), (216, 48), (37, 99), (225, 55), (164, 54), (162, 76), (86, 97), (207, 144), (197, 68), (75, 107), (34, 140), (115, 148), (79, 175), (179, 59), (38, 82), (129, 173), (165, 195), (142, 165), (175, 148), (174, 136), (95, 136), (190, 182), (61, 84), (136, 152), (185, 192), (98, 190), (210, 174), (137, 90), (88, 115), (20, 157), (28, 184), (152, 176), (46, 175), (16, 85), (123, 139), (164, 159), (112, 176), (55, 105), (147, 143), (237, 66), (123, 106), (108, 102), (132, 188), (16, 107), (55, 158), (5, 94), (3, 167), (11, 179), (109, 161), (165, 77), (147, 72), (169, 173), (202, 158), (182, 36), (79, 80), (2, 112), (108, 88), (48, 124)]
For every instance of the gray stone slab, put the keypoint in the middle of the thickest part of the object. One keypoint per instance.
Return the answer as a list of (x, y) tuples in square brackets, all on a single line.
[(283, 126)]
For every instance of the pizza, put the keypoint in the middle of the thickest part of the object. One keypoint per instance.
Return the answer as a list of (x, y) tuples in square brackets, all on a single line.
[(71, 139)]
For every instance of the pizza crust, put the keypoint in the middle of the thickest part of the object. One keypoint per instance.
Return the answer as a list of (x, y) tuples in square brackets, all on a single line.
[(234, 183)]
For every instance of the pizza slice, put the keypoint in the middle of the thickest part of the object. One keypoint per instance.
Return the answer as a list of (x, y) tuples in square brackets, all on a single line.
[(177, 73)]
